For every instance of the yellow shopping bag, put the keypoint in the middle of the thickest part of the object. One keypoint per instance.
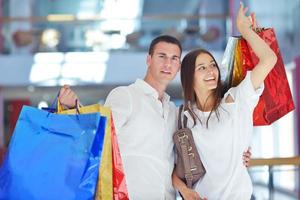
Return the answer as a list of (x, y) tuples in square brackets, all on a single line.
[(104, 189), (238, 72)]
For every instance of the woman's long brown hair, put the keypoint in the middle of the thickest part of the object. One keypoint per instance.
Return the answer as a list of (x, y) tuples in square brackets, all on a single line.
[(187, 82)]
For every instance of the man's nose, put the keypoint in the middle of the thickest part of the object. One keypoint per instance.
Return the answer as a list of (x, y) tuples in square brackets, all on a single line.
[(168, 61)]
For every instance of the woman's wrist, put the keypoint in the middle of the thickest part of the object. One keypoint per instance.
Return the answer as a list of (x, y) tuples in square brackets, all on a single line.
[(247, 31), (182, 189)]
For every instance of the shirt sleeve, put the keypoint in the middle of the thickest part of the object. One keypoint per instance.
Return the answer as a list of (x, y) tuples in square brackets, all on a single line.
[(119, 100), (245, 94)]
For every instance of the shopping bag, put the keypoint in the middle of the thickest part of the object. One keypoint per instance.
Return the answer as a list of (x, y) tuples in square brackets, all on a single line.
[(276, 99), (232, 71), (2, 152), (52, 156), (104, 186), (111, 182), (227, 63), (238, 72), (119, 182)]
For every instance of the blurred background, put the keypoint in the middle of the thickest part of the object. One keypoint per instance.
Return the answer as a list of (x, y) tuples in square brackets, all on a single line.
[(96, 45)]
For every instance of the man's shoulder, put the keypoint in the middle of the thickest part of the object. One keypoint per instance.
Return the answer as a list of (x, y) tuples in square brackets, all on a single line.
[(118, 90), (123, 91), (118, 94)]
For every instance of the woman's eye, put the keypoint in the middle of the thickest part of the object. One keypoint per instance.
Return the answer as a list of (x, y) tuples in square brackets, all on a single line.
[(201, 68)]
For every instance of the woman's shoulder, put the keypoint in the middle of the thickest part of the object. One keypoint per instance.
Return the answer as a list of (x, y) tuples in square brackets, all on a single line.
[(244, 91), (230, 96)]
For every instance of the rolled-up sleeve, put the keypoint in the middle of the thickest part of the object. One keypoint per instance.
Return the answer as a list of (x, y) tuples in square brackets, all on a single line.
[(246, 92)]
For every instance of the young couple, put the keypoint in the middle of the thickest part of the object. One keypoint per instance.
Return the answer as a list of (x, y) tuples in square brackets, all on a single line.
[(146, 119)]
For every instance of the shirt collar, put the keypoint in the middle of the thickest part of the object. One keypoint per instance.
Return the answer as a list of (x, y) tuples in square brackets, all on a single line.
[(197, 112), (149, 90)]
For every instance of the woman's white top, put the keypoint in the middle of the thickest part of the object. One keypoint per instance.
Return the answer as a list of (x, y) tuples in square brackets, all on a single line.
[(222, 144)]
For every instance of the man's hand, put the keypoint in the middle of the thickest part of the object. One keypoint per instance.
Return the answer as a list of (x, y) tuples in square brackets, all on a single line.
[(67, 97), (247, 157)]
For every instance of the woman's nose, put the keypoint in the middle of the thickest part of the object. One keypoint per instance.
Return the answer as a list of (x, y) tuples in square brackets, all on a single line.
[(210, 70)]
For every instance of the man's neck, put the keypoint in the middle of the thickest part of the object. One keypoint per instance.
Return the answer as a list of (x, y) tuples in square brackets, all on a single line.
[(158, 86)]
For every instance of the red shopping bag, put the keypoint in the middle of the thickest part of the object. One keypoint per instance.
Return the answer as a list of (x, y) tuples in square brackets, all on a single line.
[(2, 153), (276, 99), (119, 184)]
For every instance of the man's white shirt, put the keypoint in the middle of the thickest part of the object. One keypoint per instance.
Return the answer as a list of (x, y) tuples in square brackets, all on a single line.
[(144, 127)]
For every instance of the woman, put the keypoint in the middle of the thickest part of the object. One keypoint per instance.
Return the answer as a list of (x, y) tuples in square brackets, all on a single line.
[(222, 124)]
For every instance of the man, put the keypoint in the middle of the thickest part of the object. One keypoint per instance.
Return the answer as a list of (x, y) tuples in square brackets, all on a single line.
[(145, 121)]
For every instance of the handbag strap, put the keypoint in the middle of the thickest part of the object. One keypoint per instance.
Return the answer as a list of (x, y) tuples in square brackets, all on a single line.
[(183, 142), (186, 162), (180, 120)]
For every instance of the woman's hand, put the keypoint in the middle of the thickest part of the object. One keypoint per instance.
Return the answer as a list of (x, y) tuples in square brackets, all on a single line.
[(245, 23), (189, 194), (266, 56), (67, 97)]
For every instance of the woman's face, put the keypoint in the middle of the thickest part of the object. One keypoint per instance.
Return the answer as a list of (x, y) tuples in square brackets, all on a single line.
[(206, 73)]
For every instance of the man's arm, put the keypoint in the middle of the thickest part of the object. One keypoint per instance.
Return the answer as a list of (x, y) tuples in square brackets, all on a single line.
[(120, 102)]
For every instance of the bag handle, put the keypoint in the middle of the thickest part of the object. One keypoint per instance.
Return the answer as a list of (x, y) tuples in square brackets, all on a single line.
[(186, 161), (57, 107), (53, 107), (60, 107), (183, 141), (180, 120)]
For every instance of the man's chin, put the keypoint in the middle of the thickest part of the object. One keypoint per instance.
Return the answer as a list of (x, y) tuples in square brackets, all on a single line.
[(166, 80)]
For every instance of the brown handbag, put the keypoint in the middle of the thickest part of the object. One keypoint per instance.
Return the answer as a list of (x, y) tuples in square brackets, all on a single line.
[(189, 167)]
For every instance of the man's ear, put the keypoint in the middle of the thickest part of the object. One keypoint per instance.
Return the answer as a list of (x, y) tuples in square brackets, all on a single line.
[(179, 66), (148, 60)]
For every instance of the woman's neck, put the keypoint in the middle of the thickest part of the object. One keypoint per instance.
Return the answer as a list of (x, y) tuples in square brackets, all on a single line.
[(205, 101)]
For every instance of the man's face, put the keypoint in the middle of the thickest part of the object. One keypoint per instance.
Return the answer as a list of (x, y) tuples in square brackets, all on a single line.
[(164, 63)]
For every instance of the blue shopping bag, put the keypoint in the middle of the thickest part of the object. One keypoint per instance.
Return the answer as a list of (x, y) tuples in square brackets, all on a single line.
[(53, 156)]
